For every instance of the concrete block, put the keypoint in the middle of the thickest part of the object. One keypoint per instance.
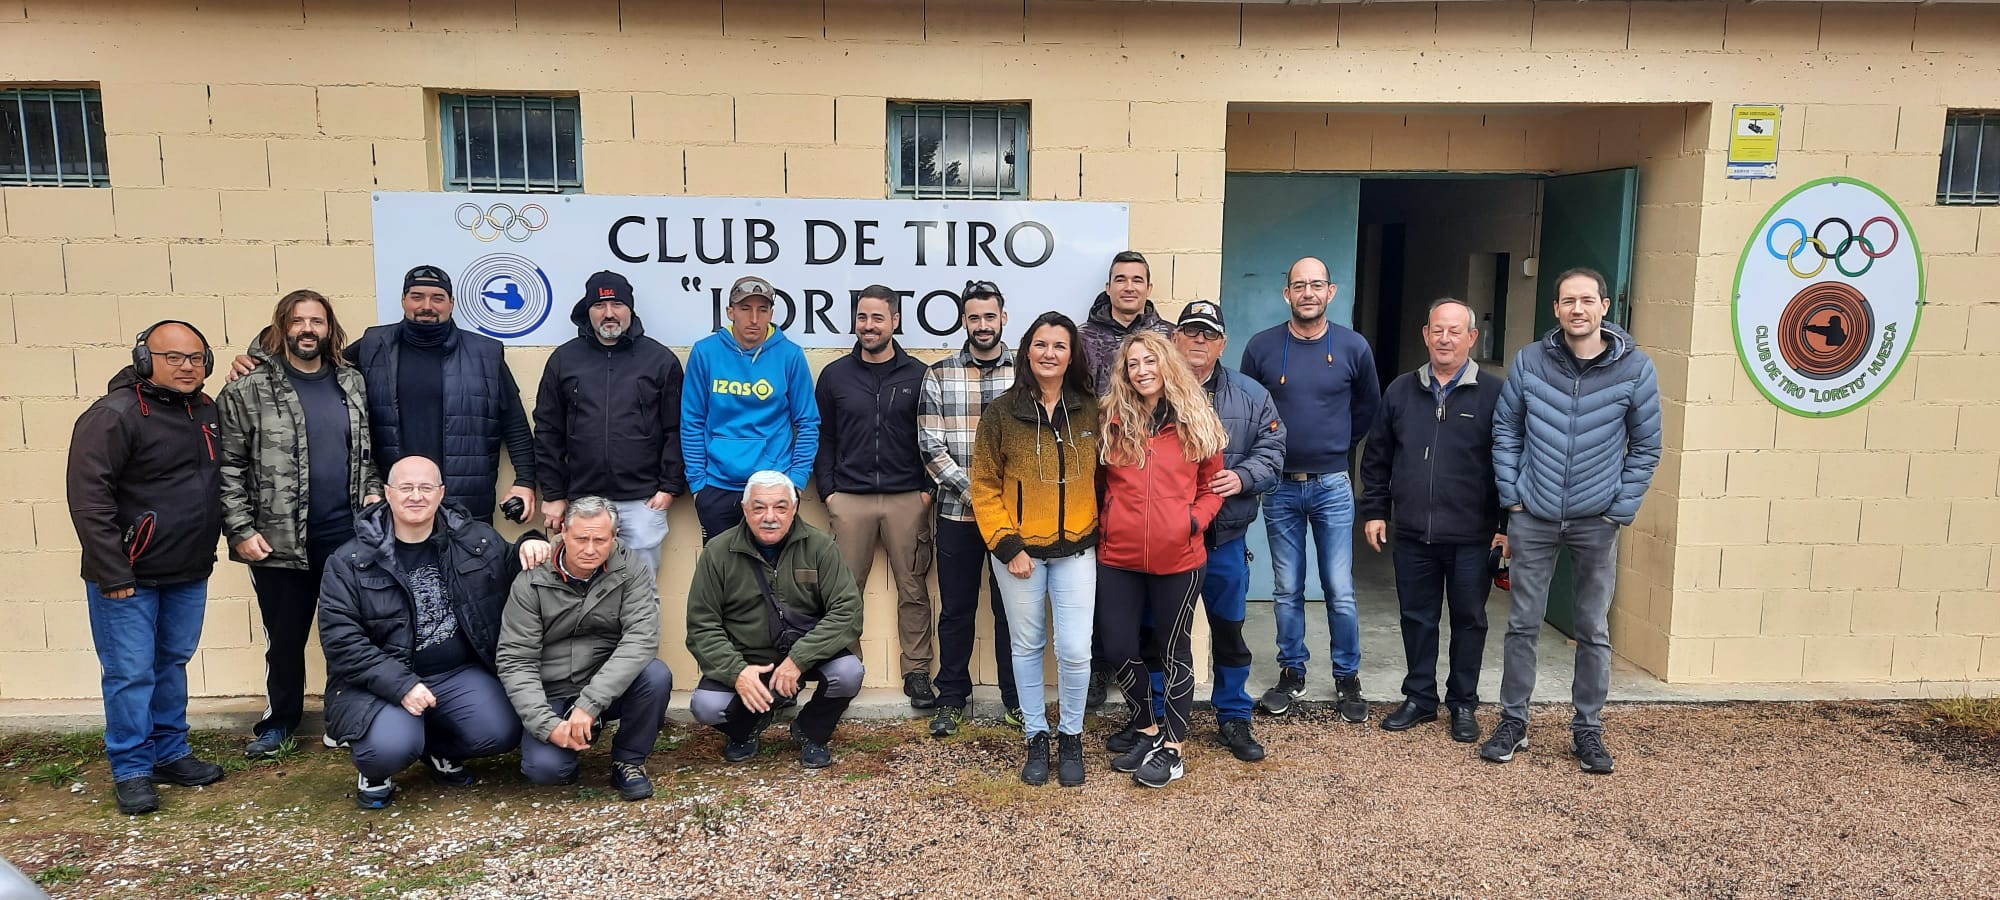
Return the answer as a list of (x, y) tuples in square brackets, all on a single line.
[(1955, 29), (67, 213), (263, 109), (1738, 426), (66, 320), (1485, 26), (1779, 27), (1910, 427), (273, 215), (1575, 27), (1851, 128), (1716, 613), (1954, 568), (835, 172), (373, 111), (1969, 612), (1975, 522), (1075, 22), (669, 118), (37, 372), (1483, 149), (1815, 521), (406, 166), (321, 164), (1388, 26), (1056, 175), (178, 213), (861, 122), (736, 171), (1877, 474), (17, 520), (1179, 126), (1936, 657), (1725, 521), (1957, 280), (1807, 612), (48, 425), (374, 15), (35, 475), (628, 167), (136, 314), (1200, 175), (201, 161), (1197, 276), (66, 626), (350, 216), (116, 268), (784, 119), (33, 267), (1909, 178), (154, 108), (1082, 124), (462, 15), (224, 269), (1683, 26), (1768, 566), (1848, 658), (1849, 566), (50, 674), (1770, 474), (1953, 475), (1944, 331), (1411, 149), (334, 270), (975, 21), (1904, 521), (773, 18), (1256, 148), (683, 19), (875, 21), (1176, 226), (1333, 147), (1130, 175), (1867, 28), (1759, 659), (1954, 379), (134, 160)]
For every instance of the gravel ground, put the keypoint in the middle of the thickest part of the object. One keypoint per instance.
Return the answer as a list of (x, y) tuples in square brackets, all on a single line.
[(1741, 800)]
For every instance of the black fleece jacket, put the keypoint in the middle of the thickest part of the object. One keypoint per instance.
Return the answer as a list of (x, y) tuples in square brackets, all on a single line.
[(868, 426), (608, 418), (145, 485), (1428, 468)]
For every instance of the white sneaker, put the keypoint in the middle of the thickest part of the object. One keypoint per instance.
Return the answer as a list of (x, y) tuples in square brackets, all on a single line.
[(330, 743)]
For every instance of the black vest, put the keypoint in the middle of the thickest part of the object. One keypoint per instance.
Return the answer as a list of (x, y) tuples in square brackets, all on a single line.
[(472, 405)]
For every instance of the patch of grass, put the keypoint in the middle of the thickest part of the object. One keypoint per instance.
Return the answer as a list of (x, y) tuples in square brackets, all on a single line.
[(60, 873), (57, 774), (1980, 714), (28, 749)]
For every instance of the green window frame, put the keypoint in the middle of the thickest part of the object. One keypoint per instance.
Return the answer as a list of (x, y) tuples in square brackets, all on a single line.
[(52, 137), (496, 143), (958, 150), (1969, 164)]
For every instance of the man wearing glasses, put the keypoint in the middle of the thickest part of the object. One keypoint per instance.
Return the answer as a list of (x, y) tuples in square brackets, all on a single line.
[(144, 486), (747, 407), (955, 391), (1322, 378)]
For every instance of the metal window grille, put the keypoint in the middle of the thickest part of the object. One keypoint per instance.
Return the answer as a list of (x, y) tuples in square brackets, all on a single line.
[(953, 150), (52, 137), (512, 144), (1969, 167)]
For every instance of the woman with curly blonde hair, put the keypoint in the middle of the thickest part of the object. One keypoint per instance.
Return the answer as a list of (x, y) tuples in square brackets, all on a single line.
[(1162, 446)]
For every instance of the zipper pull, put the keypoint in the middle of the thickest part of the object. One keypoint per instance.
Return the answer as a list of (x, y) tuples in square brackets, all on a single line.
[(1440, 412)]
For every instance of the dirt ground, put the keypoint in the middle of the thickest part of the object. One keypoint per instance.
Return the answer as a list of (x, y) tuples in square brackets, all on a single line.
[(1736, 800)]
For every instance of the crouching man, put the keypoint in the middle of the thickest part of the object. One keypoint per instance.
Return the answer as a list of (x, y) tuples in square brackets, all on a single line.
[(409, 615), (580, 646), (772, 606)]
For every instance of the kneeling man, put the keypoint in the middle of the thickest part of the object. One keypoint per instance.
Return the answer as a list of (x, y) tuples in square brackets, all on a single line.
[(580, 646), (409, 615), (773, 606)]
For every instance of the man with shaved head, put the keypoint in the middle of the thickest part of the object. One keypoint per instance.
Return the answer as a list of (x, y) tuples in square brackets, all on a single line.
[(144, 487), (1322, 377), (409, 618)]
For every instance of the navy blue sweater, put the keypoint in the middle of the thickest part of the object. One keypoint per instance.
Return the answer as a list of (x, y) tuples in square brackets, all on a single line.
[(1325, 390)]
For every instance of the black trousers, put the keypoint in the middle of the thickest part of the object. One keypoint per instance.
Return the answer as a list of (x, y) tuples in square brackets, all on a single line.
[(288, 601), (961, 560), (1428, 576), (1125, 599), (718, 510)]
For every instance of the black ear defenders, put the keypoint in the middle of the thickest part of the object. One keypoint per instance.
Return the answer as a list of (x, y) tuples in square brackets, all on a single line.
[(142, 358)]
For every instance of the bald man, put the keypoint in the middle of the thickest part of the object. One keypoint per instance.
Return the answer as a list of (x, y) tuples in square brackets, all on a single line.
[(409, 618), (145, 496)]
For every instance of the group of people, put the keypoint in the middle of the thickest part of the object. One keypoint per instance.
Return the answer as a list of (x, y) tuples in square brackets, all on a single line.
[(1101, 491)]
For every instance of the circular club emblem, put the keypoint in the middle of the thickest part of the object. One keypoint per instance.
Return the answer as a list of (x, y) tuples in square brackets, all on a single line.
[(1829, 291), (507, 296)]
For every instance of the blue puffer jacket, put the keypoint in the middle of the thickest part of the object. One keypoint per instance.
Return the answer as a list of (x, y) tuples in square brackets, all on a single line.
[(1256, 451), (1571, 439)]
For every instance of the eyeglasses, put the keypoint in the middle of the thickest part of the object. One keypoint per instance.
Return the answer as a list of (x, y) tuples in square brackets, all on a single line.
[(1302, 285), (176, 359), (980, 289), (1198, 333), (424, 490)]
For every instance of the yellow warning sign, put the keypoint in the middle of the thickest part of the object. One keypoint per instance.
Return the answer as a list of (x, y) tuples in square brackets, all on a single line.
[(1753, 141)]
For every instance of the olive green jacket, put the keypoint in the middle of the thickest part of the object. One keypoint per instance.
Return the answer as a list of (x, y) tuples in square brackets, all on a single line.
[(561, 643), (264, 469), (728, 624)]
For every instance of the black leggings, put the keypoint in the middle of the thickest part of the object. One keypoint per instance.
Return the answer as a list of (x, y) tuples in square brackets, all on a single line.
[(1124, 598)]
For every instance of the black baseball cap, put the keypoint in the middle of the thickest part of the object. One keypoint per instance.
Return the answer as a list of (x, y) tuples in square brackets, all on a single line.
[(427, 276), (1205, 313)]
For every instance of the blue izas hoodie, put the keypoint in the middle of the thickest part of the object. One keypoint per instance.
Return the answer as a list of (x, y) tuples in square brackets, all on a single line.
[(743, 411)]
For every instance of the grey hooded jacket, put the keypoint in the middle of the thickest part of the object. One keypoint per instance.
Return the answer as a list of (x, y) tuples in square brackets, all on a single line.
[(1575, 438)]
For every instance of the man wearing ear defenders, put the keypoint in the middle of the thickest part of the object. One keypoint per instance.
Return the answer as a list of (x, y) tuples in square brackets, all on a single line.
[(144, 485)]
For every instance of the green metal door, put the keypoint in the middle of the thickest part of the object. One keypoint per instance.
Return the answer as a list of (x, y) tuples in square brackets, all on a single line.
[(1587, 222)]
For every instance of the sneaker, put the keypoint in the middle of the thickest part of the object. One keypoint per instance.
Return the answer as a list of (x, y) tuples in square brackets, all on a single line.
[(1278, 700), (188, 771), (1352, 707), (1588, 748), (630, 781), (1124, 740), (1160, 768), (266, 745), (812, 754), (448, 772), (917, 687), (1069, 760), (946, 722), (1242, 743), (1141, 746), (1509, 736), (741, 751), (1015, 717), (136, 796), (330, 743), (1094, 697), (368, 795), (1036, 770)]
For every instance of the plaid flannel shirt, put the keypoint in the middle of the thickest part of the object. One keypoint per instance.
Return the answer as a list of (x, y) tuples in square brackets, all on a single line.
[(955, 392)]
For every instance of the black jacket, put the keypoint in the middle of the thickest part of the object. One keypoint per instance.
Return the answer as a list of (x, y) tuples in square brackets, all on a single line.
[(608, 419), (1431, 470), (145, 485), (868, 426), (367, 615)]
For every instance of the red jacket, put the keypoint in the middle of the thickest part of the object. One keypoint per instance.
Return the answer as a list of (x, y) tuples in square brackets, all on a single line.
[(1154, 514)]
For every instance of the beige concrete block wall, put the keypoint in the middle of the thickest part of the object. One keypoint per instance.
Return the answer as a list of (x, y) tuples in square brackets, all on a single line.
[(243, 143)]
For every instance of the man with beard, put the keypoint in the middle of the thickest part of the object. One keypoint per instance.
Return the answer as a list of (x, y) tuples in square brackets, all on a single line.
[(871, 475), (608, 420), (443, 393), (1322, 377), (295, 472), (956, 390)]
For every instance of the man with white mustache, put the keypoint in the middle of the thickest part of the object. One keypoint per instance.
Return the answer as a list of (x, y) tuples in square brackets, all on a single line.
[(872, 477)]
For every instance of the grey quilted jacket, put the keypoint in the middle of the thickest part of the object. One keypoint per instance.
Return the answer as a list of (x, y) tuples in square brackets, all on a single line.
[(1575, 439)]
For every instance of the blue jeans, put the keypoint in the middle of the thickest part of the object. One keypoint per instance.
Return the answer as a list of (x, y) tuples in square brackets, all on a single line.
[(144, 643), (1223, 590), (1326, 505), (1070, 584)]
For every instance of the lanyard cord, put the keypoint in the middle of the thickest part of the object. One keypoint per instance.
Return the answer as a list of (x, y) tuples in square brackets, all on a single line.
[(1285, 354)]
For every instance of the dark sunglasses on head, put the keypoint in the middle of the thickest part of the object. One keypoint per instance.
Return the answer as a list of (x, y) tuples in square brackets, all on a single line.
[(980, 289)]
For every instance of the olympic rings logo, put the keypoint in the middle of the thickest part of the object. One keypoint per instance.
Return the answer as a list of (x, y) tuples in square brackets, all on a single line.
[(501, 220), (1849, 241)]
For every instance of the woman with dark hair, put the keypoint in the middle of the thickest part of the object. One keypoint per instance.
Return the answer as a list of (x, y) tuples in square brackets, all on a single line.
[(1034, 492), (1162, 447)]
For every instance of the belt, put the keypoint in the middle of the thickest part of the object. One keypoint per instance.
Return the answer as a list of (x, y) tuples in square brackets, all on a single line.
[(1302, 476)]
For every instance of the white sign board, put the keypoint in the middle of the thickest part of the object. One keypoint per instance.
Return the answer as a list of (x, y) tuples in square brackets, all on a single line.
[(1829, 291), (518, 262)]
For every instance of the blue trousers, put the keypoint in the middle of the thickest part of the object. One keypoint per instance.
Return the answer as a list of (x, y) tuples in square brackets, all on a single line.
[(1325, 506), (143, 644)]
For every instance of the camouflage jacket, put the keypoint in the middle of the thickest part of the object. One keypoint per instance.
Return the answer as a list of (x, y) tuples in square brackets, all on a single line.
[(264, 476)]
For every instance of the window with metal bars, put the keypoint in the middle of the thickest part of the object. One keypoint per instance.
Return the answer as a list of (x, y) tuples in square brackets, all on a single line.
[(52, 137), (1969, 168), (949, 150), (511, 144)]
